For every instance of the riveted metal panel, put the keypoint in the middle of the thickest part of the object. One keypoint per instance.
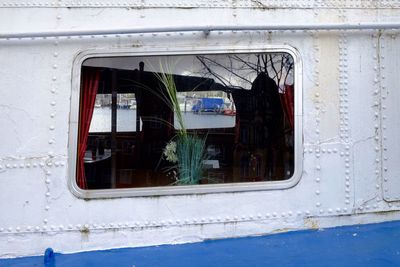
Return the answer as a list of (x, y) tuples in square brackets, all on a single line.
[(389, 72), (344, 79)]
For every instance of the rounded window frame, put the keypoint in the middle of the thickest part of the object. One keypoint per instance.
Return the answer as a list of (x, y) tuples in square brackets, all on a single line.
[(183, 189)]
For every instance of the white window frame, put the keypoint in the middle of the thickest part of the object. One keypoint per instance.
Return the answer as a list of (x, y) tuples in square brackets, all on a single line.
[(184, 189)]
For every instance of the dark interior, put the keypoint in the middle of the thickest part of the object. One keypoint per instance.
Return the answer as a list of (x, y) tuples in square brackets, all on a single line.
[(258, 148)]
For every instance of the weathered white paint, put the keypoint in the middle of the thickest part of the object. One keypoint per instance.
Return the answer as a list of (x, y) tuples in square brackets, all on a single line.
[(350, 125)]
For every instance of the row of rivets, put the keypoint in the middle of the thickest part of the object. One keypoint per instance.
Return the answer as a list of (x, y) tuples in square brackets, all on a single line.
[(320, 151), (214, 3), (165, 223), (344, 112), (317, 105), (28, 163), (343, 89), (384, 89), (52, 135), (377, 111)]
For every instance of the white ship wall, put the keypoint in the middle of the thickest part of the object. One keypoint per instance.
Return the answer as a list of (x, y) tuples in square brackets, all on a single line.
[(351, 96)]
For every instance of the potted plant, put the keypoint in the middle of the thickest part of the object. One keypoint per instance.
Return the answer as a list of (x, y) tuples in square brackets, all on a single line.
[(185, 150)]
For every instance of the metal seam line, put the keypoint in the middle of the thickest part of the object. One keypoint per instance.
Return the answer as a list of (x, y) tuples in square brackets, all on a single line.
[(205, 29)]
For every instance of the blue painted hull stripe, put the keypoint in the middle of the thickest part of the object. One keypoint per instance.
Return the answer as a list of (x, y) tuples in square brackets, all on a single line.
[(352, 246)]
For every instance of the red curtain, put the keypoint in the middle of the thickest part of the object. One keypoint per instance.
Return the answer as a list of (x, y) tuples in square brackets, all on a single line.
[(287, 100), (89, 84)]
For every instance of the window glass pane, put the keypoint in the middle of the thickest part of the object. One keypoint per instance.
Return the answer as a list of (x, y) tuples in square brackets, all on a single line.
[(228, 119), (126, 113), (202, 110)]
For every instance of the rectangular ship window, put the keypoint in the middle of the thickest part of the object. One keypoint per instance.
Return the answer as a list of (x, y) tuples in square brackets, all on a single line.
[(170, 121)]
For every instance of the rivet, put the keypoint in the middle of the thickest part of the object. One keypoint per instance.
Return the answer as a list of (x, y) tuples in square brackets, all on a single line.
[(318, 180), (318, 204), (45, 221), (317, 192), (47, 208), (52, 127), (47, 181), (48, 194)]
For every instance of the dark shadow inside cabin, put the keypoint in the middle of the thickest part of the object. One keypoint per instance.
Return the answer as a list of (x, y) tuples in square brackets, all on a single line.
[(256, 146)]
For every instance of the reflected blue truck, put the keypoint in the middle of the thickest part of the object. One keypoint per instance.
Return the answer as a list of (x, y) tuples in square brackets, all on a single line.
[(209, 105)]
